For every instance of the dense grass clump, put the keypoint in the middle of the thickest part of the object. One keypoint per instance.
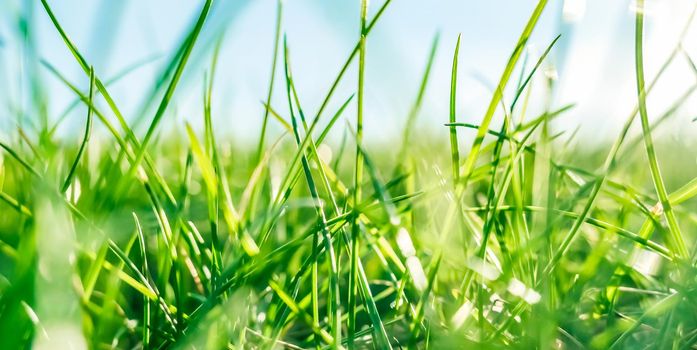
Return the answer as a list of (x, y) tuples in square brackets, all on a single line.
[(520, 238)]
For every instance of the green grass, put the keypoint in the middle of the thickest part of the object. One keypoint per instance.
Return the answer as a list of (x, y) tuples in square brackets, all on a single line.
[(492, 236)]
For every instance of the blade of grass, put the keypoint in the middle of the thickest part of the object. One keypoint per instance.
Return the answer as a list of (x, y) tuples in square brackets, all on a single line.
[(521, 88), (498, 93), (352, 55), (276, 42), (114, 79), (19, 159), (164, 103), (334, 296), (416, 107), (85, 138), (610, 160), (676, 235), (358, 180), (454, 148)]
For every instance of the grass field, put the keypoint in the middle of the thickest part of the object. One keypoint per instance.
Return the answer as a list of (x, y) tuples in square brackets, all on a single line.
[(509, 233)]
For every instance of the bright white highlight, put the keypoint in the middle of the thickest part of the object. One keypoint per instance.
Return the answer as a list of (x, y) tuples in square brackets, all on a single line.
[(646, 262), (462, 314), (325, 153), (483, 268), (404, 242), (574, 10), (519, 289), (416, 271)]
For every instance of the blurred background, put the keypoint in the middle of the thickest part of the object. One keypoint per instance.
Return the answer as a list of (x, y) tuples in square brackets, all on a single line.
[(592, 64)]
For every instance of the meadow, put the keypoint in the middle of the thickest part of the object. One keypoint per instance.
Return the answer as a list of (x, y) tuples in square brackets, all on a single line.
[(507, 233)]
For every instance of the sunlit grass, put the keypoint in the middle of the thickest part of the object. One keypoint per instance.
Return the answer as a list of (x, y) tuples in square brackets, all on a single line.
[(510, 235)]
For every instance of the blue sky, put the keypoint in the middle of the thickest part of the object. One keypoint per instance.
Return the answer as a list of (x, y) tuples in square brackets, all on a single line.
[(593, 60)]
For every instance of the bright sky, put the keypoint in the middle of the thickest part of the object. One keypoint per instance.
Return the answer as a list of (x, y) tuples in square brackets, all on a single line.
[(594, 57)]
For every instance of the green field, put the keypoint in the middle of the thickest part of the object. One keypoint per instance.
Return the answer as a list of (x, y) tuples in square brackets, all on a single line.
[(511, 233)]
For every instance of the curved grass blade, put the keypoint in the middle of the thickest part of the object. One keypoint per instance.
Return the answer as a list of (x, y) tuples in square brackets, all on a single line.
[(676, 235), (85, 138)]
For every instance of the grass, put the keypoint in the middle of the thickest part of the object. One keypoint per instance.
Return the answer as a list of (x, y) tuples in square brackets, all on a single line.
[(512, 235)]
